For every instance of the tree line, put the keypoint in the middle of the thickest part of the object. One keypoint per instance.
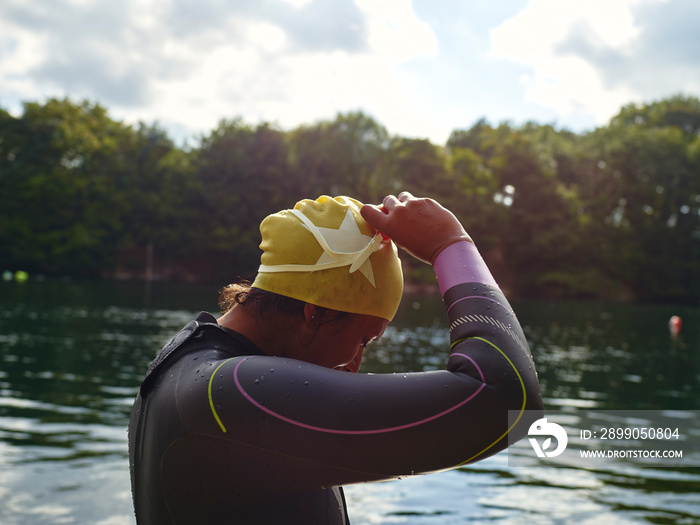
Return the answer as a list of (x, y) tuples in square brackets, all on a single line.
[(613, 213)]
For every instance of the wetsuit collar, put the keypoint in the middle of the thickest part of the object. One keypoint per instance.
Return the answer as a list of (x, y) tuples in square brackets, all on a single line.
[(205, 318)]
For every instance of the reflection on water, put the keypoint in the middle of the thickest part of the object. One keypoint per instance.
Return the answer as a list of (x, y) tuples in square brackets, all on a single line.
[(72, 356), (71, 359), (614, 356)]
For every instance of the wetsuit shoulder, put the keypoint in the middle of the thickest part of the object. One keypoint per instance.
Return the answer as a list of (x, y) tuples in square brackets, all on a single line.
[(191, 338)]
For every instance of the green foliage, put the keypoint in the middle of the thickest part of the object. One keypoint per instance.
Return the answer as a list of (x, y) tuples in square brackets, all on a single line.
[(57, 187), (339, 157), (610, 214), (243, 175)]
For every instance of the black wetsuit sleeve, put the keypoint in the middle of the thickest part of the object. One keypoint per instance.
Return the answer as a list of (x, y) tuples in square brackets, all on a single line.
[(294, 424)]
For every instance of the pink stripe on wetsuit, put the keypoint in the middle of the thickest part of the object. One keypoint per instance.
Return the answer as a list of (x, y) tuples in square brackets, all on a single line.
[(461, 263)]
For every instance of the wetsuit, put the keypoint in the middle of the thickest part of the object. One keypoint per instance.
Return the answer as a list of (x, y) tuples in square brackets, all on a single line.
[(222, 434)]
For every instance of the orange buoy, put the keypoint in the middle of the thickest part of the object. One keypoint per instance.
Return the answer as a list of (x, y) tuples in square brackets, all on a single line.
[(674, 325)]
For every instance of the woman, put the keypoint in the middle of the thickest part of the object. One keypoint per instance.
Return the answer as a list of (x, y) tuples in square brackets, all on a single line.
[(252, 418)]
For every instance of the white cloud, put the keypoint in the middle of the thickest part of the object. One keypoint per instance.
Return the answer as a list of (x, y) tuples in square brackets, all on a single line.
[(568, 81), (298, 3), (187, 65), (395, 31), (20, 50), (262, 77), (285, 61)]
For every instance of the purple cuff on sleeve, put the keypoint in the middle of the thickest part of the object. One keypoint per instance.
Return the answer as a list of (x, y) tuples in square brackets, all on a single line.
[(460, 263)]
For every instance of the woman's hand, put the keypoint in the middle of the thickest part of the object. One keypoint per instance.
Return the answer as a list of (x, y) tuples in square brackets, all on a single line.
[(422, 227)]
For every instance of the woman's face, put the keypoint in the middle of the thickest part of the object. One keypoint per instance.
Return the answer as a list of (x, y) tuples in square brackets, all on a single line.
[(340, 344)]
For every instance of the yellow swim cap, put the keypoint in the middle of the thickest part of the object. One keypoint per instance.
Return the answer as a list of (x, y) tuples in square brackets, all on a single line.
[(324, 253)]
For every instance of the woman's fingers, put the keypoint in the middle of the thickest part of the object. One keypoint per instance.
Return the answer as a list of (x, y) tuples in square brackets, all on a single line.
[(390, 202), (421, 226)]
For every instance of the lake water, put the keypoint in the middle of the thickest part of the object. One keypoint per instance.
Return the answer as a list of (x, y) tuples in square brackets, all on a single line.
[(72, 355)]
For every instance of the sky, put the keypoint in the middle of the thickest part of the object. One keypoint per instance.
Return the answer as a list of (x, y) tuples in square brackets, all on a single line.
[(421, 68)]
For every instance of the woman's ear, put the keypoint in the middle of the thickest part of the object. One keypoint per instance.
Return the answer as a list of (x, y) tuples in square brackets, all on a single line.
[(311, 314), (309, 325)]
